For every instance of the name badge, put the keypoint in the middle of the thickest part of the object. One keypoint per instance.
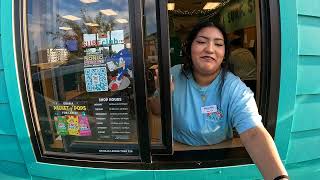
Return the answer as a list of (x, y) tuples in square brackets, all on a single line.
[(209, 109)]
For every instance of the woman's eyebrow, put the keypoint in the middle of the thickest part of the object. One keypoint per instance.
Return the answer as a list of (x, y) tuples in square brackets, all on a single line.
[(205, 37)]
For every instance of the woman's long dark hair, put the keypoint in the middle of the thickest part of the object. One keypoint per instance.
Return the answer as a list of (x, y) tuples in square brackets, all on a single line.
[(187, 67)]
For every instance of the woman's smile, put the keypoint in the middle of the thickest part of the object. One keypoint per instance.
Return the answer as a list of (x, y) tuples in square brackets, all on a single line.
[(208, 58)]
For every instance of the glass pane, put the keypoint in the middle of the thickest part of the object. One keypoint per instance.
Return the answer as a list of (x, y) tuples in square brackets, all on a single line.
[(82, 76), (238, 17), (151, 64)]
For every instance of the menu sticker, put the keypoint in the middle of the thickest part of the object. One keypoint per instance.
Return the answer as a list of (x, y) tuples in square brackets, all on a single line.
[(101, 116), (119, 118), (61, 125), (93, 60), (112, 118), (70, 118), (73, 125), (84, 126)]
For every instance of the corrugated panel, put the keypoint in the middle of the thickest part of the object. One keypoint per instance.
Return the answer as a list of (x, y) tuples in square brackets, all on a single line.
[(11, 170), (10, 150), (288, 78), (308, 75), (309, 7), (192, 174), (308, 21), (305, 170), (62, 172), (309, 27), (1, 63), (6, 122), (309, 40), (125, 174), (42, 178), (307, 113), (304, 146), (3, 91), (244, 172)]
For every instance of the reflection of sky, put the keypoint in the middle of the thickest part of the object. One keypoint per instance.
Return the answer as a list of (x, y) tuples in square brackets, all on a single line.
[(93, 9), (73, 7), (42, 16), (120, 6), (48, 9), (150, 15)]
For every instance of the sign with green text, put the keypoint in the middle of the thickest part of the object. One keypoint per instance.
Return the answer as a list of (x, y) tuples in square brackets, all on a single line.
[(238, 15)]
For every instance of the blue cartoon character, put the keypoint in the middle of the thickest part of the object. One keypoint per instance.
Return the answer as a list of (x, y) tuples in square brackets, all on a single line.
[(122, 62)]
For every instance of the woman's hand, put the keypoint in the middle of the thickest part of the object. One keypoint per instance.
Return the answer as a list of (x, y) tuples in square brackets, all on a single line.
[(156, 79), (154, 101)]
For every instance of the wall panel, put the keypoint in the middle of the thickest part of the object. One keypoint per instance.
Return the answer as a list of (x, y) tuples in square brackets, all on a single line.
[(309, 7), (308, 75), (6, 123), (3, 91), (11, 170), (10, 150), (304, 146)]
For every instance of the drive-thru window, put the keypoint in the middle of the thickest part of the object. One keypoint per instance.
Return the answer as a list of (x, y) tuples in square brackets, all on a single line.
[(87, 72)]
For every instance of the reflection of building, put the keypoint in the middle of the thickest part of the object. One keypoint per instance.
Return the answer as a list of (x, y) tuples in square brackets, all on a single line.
[(150, 44), (37, 31)]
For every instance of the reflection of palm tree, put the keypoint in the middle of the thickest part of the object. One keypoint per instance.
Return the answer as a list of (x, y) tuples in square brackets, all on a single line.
[(104, 24)]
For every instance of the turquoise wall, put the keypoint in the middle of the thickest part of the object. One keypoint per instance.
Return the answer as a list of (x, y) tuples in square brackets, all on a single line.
[(298, 126), (11, 158), (303, 149)]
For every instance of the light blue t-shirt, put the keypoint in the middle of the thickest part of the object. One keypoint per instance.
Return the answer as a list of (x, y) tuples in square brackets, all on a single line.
[(201, 117)]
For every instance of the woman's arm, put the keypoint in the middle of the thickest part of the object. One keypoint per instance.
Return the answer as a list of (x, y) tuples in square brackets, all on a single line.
[(154, 105), (154, 101), (263, 152)]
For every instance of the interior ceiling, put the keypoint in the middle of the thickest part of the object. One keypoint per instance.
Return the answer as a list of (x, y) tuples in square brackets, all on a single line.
[(185, 5)]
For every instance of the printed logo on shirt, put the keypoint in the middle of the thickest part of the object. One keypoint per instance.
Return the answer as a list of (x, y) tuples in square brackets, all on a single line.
[(216, 115)]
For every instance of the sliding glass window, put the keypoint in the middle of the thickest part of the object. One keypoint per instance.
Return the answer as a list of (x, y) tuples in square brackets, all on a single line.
[(82, 81)]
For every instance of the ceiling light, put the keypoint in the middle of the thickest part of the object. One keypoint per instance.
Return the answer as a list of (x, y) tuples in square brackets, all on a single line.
[(122, 21), (65, 28), (211, 5), (91, 24), (94, 24), (170, 6), (108, 12), (72, 18), (89, 1)]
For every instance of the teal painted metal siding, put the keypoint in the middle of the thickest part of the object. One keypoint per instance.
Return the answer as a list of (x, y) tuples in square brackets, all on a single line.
[(309, 42), (288, 77), (305, 139), (11, 158), (10, 170), (309, 51), (307, 107), (1, 64), (3, 90), (308, 8), (304, 146), (308, 74), (6, 123), (10, 150)]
